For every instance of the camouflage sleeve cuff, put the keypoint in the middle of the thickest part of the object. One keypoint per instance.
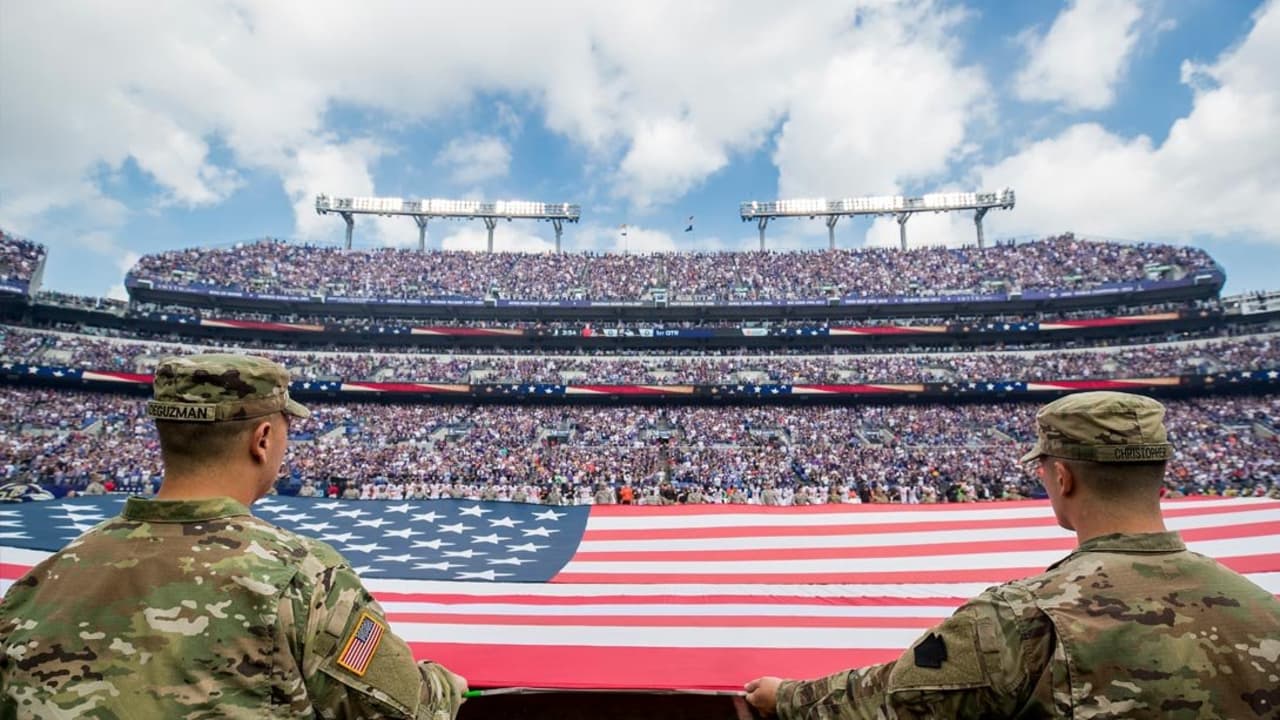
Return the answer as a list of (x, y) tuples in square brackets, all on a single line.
[(820, 698), (444, 696), (787, 699)]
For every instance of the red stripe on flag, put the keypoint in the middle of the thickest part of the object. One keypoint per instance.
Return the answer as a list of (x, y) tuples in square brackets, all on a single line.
[(576, 666), (868, 528), (1065, 544), (621, 599), (11, 571), (910, 577), (1210, 505), (691, 621), (1242, 564)]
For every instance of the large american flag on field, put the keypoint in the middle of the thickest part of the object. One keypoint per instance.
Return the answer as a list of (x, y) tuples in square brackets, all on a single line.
[(681, 597)]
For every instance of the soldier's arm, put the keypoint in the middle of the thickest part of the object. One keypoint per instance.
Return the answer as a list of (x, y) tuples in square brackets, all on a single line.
[(983, 661), (353, 665)]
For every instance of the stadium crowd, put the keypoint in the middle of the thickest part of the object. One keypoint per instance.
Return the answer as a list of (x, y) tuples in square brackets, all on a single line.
[(19, 258), (1254, 352), (872, 453), (275, 267), (384, 324)]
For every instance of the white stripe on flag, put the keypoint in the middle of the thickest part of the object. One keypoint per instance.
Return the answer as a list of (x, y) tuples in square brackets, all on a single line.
[(853, 515), (923, 537), (678, 636), (942, 560), (742, 610)]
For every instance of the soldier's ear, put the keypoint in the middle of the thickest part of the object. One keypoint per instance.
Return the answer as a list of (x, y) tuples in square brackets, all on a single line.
[(261, 437), (1067, 480)]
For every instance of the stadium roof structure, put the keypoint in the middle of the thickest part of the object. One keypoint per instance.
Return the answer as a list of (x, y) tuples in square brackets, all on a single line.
[(490, 212), (902, 208)]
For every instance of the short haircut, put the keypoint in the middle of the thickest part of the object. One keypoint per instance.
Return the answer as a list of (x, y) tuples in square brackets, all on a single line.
[(189, 446), (1120, 481)]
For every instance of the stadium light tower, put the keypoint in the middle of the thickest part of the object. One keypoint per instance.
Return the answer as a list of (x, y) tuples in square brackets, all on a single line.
[(423, 210), (901, 208)]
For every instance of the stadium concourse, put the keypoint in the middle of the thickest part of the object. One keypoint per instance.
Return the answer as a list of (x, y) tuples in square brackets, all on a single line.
[(479, 420)]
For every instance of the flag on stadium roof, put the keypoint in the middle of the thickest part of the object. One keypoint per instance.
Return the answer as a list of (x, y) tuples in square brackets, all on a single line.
[(681, 597)]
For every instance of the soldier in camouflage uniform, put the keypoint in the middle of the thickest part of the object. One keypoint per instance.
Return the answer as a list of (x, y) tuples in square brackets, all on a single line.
[(189, 606), (1129, 625), (604, 495), (553, 496), (770, 495), (835, 494), (802, 496), (95, 486)]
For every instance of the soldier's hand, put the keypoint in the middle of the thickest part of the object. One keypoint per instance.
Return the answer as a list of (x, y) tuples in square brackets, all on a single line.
[(460, 683), (762, 693)]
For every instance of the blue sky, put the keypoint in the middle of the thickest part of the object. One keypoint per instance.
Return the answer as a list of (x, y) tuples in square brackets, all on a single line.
[(128, 131)]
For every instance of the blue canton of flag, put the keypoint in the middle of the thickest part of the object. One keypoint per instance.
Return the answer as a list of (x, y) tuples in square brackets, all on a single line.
[(415, 539)]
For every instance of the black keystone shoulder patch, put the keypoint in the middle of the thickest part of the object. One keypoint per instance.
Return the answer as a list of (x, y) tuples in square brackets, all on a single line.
[(931, 652)]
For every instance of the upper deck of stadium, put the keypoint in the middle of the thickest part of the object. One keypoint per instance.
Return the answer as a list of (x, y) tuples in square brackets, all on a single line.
[(1060, 266)]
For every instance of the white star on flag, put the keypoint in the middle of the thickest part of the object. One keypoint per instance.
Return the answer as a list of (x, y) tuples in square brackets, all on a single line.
[(366, 548), (315, 527), (468, 553), (405, 557), (436, 566), (485, 575)]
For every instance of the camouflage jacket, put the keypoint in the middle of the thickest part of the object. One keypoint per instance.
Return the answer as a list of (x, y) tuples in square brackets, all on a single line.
[(1126, 626), (184, 609)]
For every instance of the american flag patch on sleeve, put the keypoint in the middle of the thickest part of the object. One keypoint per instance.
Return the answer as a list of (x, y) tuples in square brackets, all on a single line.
[(363, 642)]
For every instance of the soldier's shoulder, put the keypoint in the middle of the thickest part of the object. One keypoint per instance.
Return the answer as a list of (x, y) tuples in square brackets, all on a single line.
[(282, 546), (303, 548)]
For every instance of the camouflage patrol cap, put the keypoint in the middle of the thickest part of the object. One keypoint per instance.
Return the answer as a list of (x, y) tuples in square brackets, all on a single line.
[(217, 387), (1102, 427)]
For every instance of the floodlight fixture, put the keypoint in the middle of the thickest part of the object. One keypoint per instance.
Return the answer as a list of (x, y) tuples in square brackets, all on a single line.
[(901, 207), (422, 210)]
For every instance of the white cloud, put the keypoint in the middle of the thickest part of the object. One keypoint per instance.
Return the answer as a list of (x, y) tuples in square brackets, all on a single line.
[(660, 94), (894, 106), (340, 168), (667, 157), (475, 159), (1216, 174), (1083, 56)]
